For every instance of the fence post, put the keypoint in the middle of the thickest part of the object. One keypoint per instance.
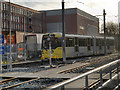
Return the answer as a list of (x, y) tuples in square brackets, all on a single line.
[(118, 71), (86, 82), (110, 72), (63, 88), (101, 79)]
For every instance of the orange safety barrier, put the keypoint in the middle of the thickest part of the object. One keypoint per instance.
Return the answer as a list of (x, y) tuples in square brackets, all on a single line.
[(20, 49)]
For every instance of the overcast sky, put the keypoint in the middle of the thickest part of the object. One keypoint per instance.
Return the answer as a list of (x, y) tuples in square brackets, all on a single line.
[(94, 7)]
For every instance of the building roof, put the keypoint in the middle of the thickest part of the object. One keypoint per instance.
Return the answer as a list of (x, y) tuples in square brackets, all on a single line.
[(71, 11), (19, 6)]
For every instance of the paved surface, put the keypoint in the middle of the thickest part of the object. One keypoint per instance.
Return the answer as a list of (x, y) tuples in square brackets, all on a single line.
[(47, 73), (23, 62), (54, 73)]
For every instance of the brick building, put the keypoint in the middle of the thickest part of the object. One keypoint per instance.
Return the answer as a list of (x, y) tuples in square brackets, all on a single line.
[(33, 21), (22, 19), (76, 22)]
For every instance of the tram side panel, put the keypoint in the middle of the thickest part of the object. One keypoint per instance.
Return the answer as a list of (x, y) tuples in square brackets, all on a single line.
[(94, 46), (75, 46), (110, 46), (90, 46), (70, 52), (82, 46)]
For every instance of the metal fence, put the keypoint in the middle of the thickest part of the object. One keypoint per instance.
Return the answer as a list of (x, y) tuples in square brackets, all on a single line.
[(61, 86), (20, 52), (6, 52)]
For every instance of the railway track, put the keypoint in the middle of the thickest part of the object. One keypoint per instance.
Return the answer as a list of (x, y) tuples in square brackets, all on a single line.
[(44, 82), (91, 62), (17, 81), (95, 81), (36, 83)]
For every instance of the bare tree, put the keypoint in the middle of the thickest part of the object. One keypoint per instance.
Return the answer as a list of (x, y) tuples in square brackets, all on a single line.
[(111, 29)]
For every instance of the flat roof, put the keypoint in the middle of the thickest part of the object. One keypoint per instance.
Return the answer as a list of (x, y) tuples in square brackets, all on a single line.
[(71, 11), (23, 7)]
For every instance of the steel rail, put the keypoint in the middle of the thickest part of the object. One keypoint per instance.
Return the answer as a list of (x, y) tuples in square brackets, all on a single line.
[(91, 62), (6, 80), (12, 86)]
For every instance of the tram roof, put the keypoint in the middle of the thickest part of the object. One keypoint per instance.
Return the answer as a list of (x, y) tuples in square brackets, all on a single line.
[(57, 34)]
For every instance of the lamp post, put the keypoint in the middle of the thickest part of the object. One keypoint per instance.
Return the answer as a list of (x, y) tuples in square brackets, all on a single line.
[(49, 40), (10, 35), (63, 33), (104, 23)]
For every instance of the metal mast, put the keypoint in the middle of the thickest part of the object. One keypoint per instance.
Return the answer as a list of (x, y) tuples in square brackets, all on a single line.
[(63, 33), (10, 35), (104, 32)]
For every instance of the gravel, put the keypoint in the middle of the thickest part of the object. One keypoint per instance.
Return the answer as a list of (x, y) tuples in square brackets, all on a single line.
[(40, 66), (40, 83)]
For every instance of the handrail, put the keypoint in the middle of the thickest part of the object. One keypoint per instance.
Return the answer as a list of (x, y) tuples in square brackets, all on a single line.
[(83, 75)]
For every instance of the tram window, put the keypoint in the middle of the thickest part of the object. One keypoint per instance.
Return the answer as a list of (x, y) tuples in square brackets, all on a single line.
[(100, 47), (97, 42), (88, 42), (108, 47), (107, 41), (82, 42), (69, 42), (85, 42), (91, 42), (102, 42), (112, 42), (89, 48), (55, 43), (45, 44)]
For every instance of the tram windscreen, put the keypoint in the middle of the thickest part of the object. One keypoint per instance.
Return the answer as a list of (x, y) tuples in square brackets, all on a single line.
[(55, 42)]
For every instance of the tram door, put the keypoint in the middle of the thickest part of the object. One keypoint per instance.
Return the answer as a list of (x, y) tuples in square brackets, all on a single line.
[(76, 45)]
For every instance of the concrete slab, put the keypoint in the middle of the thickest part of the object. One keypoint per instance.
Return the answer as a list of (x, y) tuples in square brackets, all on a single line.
[(78, 84)]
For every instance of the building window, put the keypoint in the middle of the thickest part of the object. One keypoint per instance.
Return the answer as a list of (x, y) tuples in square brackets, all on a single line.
[(25, 12), (7, 7), (4, 24), (18, 19), (11, 17), (18, 26), (14, 25), (4, 6), (20, 11), (13, 9), (7, 25)]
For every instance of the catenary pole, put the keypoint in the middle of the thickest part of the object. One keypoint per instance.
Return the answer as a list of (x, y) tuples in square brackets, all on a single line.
[(63, 33), (10, 35), (104, 32)]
